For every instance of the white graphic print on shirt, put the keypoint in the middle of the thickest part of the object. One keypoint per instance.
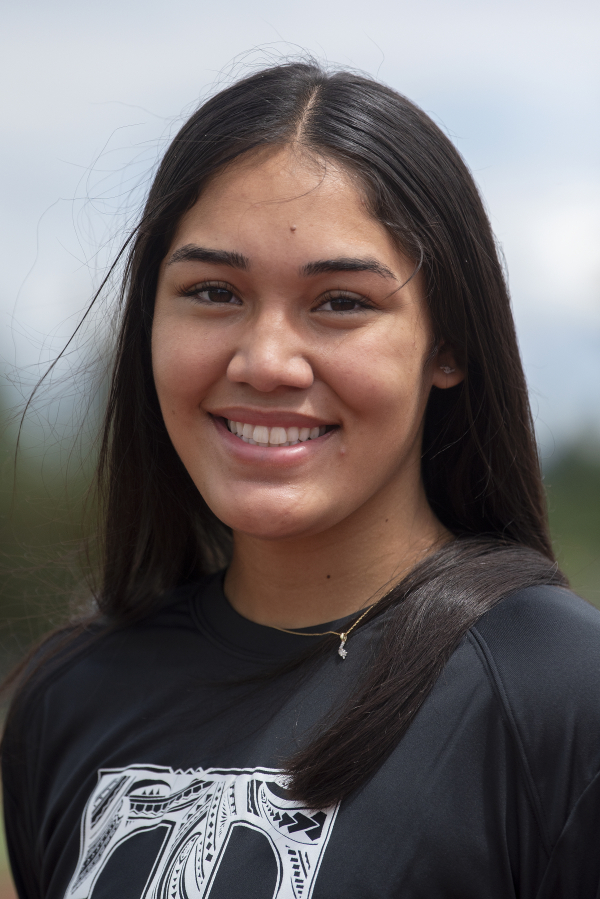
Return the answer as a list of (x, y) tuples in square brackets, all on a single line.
[(207, 832)]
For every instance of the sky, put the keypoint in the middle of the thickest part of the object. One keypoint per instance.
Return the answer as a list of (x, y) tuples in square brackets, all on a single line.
[(92, 93)]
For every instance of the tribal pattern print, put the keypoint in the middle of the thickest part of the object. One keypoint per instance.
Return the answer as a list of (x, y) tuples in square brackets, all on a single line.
[(199, 825)]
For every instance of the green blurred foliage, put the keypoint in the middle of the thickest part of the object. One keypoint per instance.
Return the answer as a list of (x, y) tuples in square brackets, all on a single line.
[(42, 560), (4, 867), (573, 488)]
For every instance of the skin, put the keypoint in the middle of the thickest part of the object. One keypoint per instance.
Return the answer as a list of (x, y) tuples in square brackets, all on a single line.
[(319, 528)]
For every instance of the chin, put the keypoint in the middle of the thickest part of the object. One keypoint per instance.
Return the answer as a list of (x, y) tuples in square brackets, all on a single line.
[(268, 527), (271, 520)]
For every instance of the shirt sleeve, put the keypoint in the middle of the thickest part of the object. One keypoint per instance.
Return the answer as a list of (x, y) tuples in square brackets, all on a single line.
[(18, 750), (574, 866), (19, 846)]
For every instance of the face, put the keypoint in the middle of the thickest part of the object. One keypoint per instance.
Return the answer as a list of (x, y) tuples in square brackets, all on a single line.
[(291, 352)]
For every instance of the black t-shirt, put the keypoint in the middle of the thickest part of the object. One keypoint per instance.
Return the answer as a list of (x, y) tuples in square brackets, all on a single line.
[(137, 771)]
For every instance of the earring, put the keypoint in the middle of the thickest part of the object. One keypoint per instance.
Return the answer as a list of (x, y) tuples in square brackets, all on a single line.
[(447, 370)]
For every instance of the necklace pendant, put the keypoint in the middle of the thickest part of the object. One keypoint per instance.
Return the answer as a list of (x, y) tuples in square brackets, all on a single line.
[(342, 651)]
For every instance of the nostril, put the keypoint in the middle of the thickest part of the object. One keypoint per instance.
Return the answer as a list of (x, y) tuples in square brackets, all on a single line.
[(268, 370)]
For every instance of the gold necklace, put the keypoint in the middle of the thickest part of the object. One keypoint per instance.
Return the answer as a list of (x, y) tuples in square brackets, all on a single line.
[(343, 635)]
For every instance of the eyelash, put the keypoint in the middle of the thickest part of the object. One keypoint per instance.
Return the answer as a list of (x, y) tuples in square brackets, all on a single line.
[(197, 289), (330, 296)]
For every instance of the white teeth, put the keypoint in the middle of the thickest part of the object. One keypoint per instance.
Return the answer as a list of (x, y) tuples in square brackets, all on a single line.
[(277, 436)]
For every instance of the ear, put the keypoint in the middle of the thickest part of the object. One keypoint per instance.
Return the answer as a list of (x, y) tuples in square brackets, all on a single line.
[(447, 370)]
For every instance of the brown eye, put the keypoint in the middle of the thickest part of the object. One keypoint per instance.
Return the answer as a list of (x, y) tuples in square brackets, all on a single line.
[(218, 295), (213, 295), (343, 304)]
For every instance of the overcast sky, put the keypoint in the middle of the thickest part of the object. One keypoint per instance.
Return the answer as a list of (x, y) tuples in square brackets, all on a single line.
[(91, 93)]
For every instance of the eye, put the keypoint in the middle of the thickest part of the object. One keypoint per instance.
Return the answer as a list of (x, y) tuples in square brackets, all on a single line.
[(343, 303), (213, 294)]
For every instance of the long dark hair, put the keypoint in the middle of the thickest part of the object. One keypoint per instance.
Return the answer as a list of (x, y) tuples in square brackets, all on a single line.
[(479, 461)]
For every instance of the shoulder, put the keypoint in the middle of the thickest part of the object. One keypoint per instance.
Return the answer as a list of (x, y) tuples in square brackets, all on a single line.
[(546, 637), (82, 657), (540, 648)]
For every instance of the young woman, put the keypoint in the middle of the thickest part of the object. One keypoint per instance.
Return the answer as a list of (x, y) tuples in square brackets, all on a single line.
[(333, 655)]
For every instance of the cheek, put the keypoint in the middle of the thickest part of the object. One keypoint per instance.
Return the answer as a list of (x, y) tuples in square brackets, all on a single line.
[(184, 365), (383, 383)]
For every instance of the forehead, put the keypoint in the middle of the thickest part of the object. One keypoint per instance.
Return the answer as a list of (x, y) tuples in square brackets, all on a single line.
[(282, 175), (277, 194)]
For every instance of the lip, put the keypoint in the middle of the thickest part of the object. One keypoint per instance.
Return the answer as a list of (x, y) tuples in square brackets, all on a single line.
[(271, 418), (273, 455)]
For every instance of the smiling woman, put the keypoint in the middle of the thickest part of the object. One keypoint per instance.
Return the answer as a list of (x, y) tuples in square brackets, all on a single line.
[(322, 335), (333, 654)]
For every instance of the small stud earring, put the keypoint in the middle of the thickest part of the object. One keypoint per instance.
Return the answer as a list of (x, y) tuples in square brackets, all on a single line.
[(447, 370)]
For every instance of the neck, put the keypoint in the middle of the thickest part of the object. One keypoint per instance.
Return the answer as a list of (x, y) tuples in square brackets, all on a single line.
[(305, 581)]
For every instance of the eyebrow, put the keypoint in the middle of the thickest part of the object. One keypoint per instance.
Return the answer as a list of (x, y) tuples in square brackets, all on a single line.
[(346, 264), (192, 253)]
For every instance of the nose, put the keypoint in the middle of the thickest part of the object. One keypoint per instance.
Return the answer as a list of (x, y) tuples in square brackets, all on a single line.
[(271, 354)]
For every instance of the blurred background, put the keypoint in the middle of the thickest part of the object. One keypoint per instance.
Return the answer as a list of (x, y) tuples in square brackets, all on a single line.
[(92, 94)]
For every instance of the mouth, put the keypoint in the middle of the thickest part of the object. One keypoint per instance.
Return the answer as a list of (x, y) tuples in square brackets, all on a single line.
[(260, 435)]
